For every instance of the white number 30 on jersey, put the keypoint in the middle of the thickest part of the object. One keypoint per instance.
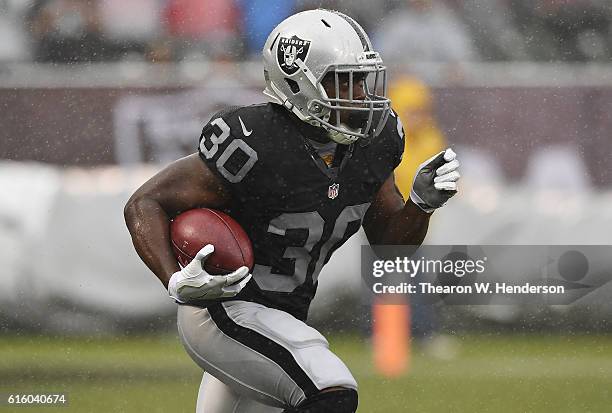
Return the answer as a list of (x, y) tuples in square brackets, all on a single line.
[(234, 145)]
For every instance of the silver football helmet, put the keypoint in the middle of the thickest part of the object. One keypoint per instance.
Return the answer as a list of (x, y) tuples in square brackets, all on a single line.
[(312, 45)]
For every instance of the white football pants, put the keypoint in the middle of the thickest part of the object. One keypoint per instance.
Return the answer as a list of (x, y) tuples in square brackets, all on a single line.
[(256, 357)]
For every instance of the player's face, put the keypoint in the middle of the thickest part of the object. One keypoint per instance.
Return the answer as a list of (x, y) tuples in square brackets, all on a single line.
[(349, 118)]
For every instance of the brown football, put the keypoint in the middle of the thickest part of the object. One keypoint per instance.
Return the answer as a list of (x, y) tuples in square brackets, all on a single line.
[(193, 229)]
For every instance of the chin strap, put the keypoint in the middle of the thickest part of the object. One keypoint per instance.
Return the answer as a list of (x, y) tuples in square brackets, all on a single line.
[(343, 138), (334, 135)]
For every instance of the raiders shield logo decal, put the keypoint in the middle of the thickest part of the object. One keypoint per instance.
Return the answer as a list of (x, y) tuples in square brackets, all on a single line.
[(289, 50)]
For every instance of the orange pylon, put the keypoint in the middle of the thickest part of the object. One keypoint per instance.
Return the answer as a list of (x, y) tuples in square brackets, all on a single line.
[(391, 337)]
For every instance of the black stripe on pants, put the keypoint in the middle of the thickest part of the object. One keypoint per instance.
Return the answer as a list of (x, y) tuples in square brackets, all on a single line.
[(263, 345)]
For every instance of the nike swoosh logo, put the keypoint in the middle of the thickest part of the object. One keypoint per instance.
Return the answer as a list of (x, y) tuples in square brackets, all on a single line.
[(244, 129)]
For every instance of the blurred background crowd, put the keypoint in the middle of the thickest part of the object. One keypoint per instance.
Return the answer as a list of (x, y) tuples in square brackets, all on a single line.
[(65, 31)]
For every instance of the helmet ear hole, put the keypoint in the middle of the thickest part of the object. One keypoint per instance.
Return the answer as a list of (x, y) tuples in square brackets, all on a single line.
[(293, 85)]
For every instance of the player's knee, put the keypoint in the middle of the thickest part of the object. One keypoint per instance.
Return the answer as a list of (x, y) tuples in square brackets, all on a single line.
[(340, 400)]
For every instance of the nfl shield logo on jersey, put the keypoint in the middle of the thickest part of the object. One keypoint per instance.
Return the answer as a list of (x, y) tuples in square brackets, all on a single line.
[(289, 50), (332, 192)]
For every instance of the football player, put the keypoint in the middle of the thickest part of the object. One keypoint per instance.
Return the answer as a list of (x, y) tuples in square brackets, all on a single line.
[(301, 174)]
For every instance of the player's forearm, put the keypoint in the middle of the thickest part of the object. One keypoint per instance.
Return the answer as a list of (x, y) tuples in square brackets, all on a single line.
[(149, 227), (406, 227)]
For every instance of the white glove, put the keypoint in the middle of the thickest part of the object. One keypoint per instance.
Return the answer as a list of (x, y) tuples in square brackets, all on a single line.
[(193, 282), (435, 181)]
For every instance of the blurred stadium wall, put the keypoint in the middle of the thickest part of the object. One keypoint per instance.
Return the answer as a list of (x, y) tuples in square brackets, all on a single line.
[(534, 140)]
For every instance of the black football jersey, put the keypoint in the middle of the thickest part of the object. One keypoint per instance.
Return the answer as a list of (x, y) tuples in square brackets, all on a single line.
[(295, 209)]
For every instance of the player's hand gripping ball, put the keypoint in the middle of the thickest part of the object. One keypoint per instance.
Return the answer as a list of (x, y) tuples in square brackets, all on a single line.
[(214, 252)]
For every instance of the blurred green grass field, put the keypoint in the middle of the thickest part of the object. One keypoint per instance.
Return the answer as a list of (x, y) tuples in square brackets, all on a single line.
[(499, 373)]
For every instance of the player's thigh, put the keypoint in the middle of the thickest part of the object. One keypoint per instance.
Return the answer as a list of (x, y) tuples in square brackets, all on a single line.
[(216, 397), (265, 354)]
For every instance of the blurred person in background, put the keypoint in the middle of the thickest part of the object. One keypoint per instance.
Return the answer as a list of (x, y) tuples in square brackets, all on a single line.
[(13, 37), (204, 30), (370, 14), (566, 30), (425, 31), (256, 24), (131, 25), (67, 31), (493, 28), (413, 102), (74, 31)]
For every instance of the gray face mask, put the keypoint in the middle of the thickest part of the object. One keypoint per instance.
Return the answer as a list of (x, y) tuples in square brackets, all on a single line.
[(364, 115)]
